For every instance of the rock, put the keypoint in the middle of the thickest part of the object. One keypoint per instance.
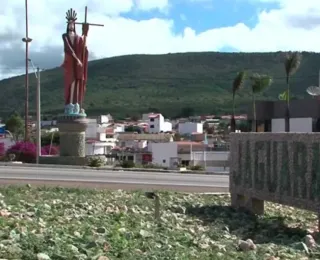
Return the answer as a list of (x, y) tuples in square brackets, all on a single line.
[(77, 234), (42, 256), (101, 230), (273, 258), (122, 230), (103, 258), (47, 206), (246, 245), (310, 242), (4, 213)]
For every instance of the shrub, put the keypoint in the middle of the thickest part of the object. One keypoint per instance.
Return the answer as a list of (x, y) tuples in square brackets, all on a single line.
[(54, 150), (23, 151), (196, 168), (2, 149), (127, 164), (95, 162), (26, 151)]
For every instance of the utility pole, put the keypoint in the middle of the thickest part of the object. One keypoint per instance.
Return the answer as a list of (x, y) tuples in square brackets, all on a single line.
[(38, 103), (27, 40), (38, 141)]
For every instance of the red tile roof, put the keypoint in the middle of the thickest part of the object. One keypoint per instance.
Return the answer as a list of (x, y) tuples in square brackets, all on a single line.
[(109, 131), (154, 115)]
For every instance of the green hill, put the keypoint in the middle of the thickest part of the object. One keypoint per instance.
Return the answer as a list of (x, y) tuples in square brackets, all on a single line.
[(171, 83)]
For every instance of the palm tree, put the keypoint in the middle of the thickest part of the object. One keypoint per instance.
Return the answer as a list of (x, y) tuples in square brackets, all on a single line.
[(237, 84), (258, 84), (291, 63)]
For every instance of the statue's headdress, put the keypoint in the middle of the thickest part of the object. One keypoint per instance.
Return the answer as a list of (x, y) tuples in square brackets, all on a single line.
[(71, 15)]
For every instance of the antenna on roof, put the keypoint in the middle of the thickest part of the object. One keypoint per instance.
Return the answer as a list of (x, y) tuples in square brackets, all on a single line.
[(313, 91)]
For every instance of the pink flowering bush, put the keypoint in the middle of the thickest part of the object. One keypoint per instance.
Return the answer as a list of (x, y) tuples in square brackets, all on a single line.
[(2, 149), (26, 151), (53, 151)]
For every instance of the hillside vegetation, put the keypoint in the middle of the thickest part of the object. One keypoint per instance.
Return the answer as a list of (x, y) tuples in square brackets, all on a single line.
[(171, 83)]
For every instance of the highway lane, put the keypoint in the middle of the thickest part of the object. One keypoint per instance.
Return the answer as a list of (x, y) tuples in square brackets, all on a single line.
[(113, 179)]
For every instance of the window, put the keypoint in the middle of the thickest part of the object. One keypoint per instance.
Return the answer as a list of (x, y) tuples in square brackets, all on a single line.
[(164, 161), (151, 119), (151, 126)]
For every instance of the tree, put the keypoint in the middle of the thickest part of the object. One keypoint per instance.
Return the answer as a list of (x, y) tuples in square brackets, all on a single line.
[(237, 84), (258, 84), (177, 137), (50, 138), (187, 112), (132, 128), (292, 63), (15, 126)]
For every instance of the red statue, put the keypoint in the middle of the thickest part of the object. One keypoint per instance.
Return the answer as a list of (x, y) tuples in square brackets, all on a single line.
[(75, 64)]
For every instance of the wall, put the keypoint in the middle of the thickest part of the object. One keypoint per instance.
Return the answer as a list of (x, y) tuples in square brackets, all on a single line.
[(103, 119), (91, 131), (156, 125), (119, 128), (163, 152), (166, 127), (190, 127), (296, 125), (279, 167), (98, 148), (92, 149)]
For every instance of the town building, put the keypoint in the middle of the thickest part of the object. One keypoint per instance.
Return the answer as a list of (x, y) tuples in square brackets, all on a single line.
[(187, 153), (140, 141), (190, 127), (100, 135), (270, 115), (158, 124)]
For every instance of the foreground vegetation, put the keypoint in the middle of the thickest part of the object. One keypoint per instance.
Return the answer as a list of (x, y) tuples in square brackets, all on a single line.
[(70, 224), (174, 84)]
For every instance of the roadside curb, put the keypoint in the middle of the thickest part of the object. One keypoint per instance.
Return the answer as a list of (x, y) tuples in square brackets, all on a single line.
[(17, 164)]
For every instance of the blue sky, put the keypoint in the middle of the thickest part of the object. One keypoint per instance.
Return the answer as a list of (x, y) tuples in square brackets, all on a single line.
[(160, 26), (202, 15)]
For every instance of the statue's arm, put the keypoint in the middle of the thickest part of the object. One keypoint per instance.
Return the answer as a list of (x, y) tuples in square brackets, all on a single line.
[(68, 48)]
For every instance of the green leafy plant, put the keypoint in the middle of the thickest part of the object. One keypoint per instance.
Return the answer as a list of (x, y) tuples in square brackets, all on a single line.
[(15, 126), (95, 161), (196, 168), (291, 64), (258, 84), (127, 164), (72, 223)]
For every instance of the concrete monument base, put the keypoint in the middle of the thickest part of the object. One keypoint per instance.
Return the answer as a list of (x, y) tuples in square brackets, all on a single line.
[(72, 129)]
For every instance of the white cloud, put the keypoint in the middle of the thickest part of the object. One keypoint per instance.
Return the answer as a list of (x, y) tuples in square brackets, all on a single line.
[(274, 31), (147, 5)]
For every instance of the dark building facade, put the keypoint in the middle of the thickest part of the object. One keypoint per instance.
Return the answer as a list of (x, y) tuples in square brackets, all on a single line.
[(266, 111)]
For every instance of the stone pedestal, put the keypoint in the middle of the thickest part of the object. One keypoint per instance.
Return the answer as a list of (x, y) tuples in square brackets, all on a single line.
[(72, 129)]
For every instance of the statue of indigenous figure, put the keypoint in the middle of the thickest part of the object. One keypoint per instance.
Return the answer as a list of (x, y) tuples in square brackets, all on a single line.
[(75, 64)]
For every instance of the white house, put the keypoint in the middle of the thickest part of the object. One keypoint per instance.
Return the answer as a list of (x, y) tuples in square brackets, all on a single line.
[(99, 137), (157, 124), (92, 129), (140, 141), (164, 154), (187, 153), (102, 144), (190, 127)]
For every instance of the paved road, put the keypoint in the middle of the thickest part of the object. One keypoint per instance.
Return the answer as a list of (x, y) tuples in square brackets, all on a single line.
[(113, 179)]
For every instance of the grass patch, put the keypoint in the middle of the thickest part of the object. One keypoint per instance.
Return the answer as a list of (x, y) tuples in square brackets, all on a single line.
[(87, 224)]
